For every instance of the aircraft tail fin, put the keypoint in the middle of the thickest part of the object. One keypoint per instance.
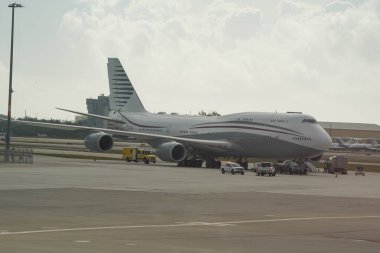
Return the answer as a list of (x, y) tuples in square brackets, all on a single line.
[(341, 142), (123, 96)]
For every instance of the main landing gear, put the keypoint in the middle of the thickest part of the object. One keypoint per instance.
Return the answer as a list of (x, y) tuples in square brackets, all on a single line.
[(190, 163), (212, 163)]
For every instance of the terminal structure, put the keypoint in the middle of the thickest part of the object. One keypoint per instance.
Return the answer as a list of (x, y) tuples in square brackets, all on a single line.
[(99, 106)]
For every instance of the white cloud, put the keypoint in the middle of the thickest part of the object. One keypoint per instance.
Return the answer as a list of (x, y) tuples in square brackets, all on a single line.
[(243, 23), (193, 55), (339, 6), (288, 7)]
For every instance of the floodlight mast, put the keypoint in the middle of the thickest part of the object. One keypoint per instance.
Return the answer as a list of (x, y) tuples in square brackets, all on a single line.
[(8, 136)]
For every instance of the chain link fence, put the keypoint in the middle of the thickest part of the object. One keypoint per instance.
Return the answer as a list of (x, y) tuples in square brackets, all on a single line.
[(17, 155)]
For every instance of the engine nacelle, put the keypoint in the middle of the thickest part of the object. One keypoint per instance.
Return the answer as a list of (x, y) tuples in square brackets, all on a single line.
[(99, 142), (171, 151)]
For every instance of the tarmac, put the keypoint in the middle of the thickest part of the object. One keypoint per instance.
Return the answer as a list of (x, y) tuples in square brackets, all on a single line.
[(73, 205)]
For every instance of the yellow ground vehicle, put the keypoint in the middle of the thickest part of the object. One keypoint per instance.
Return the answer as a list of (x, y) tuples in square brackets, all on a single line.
[(137, 155)]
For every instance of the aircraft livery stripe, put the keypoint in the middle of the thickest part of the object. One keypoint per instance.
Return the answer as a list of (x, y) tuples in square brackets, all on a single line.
[(123, 93), (139, 125), (121, 79), (123, 88), (241, 127), (250, 123), (250, 128), (122, 84)]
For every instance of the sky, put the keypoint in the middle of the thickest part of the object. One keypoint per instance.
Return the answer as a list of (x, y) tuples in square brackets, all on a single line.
[(319, 57)]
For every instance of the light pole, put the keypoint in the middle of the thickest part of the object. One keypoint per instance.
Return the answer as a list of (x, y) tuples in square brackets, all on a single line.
[(8, 137)]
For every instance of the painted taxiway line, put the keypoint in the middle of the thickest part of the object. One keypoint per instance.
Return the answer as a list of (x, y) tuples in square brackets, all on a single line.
[(189, 224)]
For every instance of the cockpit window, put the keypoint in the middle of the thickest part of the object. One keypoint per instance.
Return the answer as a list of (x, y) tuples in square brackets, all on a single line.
[(310, 121)]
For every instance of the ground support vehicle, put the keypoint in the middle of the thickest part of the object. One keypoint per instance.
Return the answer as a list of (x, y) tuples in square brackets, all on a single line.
[(336, 164), (359, 171), (300, 169), (256, 165), (265, 168), (286, 167), (291, 167), (279, 168), (232, 168), (138, 154)]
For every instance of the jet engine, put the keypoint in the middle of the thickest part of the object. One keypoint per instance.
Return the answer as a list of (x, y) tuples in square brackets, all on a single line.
[(171, 151), (100, 142)]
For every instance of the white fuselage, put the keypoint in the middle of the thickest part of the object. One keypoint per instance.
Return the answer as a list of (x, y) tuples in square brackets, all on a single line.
[(253, 134)]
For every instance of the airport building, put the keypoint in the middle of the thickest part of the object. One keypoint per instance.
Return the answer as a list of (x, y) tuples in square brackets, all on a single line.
[(356, 130), (99, 106)]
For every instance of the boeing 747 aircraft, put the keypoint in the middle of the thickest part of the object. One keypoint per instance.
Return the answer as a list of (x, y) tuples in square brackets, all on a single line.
[(191, 140), (355, 144)]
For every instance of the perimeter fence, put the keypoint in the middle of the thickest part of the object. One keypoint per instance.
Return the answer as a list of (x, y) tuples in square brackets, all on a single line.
[(17, 155)]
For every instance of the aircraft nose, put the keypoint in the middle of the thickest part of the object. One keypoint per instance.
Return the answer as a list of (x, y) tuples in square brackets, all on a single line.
[(324, 140)]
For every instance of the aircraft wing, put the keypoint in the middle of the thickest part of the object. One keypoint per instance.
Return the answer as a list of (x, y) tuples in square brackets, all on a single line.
[(93, 115), (220, 145)]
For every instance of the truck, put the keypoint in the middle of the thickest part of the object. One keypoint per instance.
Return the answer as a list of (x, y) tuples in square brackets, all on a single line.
[(336, 164), (232, 168), (265, 168), (138, 154)]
